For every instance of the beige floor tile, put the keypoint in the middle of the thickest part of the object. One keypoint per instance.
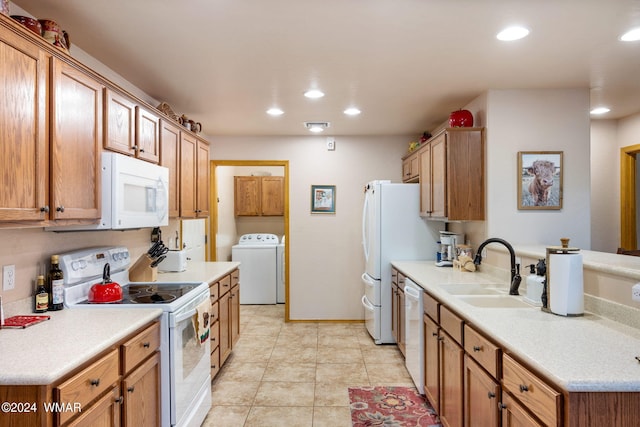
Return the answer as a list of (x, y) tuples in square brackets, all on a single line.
[(280, 416), (342, 373), (382, 354), (386, 373), (226, 416), (290, 372), (240, 371), (285, 394), (336, 416), (332, 394), (287, 340), (294, 354), (339, 355), (261, 328), (346, 329), (339, 341), (234, 393)]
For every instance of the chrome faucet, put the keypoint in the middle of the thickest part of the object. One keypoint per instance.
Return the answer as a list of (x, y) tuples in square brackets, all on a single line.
[(515, 268)]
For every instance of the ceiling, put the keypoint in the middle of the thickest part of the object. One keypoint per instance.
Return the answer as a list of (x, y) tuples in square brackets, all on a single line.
[(405, 63)]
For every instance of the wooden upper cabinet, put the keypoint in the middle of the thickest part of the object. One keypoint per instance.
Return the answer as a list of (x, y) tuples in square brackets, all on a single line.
[(188, 175), (24, 97), (76, 143), (120, 123), (259, 195), (452, 175), (170, 158), (411, 167), (147, 135), (202, 179)]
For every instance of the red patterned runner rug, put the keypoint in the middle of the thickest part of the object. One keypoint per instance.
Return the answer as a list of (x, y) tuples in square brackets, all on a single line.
[(390, 407)]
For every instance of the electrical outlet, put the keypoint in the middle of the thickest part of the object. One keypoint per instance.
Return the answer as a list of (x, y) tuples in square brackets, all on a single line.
[(635, 292), (8, 277)]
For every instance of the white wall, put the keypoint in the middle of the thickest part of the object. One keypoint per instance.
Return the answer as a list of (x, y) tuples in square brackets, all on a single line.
[(325, 250), (538, 120)]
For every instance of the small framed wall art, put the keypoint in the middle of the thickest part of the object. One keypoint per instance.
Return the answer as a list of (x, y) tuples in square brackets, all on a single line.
[(540, 180), (323, 199)]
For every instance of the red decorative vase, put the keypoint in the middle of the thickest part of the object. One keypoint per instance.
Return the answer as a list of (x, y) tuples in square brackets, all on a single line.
[(461, 119)]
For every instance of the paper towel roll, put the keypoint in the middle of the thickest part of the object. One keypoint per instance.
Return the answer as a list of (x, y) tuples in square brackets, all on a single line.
[(566, 286)]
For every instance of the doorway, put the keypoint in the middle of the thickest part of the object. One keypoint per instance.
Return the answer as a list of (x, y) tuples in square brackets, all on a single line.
[(222, 240), (628, 197)]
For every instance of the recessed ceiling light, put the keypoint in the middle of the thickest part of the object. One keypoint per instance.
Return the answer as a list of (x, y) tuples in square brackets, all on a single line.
[(352, 111), (275, 111), (314, 93), (512, 33), (631, 35), (600, 110)]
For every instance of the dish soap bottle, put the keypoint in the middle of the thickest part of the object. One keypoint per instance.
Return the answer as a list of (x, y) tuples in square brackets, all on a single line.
[(56, 285), (535, 282), (41, 296)]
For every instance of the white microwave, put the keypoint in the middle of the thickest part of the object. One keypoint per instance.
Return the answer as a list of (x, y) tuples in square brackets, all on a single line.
[(135, 194)]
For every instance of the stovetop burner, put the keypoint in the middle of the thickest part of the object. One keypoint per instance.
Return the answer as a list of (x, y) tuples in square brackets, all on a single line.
[(154, 298)]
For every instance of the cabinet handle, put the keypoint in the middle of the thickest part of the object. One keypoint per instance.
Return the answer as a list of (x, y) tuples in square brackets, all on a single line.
[(146, 344), (60, 209), (477, 348), (119, 400), (523, 388), (434, 334), (440, 338), (135, 147), (142, 150), (491, 395), (501, 406), (44, 209), (130, 389), (95, 383)]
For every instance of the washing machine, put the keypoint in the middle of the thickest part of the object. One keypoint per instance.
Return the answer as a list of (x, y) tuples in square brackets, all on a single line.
[(256, 253), (280, 294)]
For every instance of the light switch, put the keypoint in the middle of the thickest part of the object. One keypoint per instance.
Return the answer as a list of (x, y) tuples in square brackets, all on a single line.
[(331, 143)]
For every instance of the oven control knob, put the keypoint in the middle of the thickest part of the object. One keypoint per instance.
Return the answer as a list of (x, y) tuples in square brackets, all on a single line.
[(75, 265)]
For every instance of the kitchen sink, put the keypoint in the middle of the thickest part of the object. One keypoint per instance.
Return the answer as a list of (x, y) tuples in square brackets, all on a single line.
[(474, 289), (494, 301)]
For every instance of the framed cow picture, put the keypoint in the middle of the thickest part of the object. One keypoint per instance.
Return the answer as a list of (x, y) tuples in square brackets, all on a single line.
[(540, 180)]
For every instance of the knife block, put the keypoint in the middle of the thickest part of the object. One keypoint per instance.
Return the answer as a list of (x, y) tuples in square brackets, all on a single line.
[(141, 270)]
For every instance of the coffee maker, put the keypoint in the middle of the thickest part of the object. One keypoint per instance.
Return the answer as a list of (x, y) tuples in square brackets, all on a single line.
[(448, 243)]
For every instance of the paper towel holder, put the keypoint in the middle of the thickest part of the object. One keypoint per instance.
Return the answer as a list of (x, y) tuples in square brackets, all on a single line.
[(563, 249)]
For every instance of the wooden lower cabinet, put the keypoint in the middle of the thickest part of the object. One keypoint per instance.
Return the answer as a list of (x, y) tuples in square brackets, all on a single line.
[(141, 392), (104, 413), (481, 396), (226, 326), (432, 362), (514, 414), (451, 383)]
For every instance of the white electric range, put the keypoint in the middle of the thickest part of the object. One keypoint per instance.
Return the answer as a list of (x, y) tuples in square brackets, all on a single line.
[(185, 362)]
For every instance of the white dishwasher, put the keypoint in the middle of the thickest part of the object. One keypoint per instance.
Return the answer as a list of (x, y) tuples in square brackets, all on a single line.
[(414, 335)]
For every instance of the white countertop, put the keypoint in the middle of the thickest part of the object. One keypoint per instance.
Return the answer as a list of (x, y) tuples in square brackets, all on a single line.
[(200, 272), (587, 353), (44, 353)]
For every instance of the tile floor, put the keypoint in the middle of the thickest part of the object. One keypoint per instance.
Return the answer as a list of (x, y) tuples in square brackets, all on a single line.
[(297, 374)]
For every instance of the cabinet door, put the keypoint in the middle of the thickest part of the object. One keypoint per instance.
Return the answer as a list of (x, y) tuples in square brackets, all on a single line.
[(202, 180), (225, 326), (120, 123), (24, 71), (451, 381), (247, 196), (141, 391), (514, 415), (465, 168), (76, 143), (272, 195), (147, 135), (188, 153), (170, 158), (234, 326), (439, 176), (105, 412), (426, 187), (481, 393), (394, 312), (431, 362)]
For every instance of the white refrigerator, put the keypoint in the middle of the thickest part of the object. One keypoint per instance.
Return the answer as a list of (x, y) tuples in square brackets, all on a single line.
[(392, 230)]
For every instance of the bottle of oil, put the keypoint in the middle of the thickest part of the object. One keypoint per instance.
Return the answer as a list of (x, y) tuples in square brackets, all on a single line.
[(41, 296), (56, 285)]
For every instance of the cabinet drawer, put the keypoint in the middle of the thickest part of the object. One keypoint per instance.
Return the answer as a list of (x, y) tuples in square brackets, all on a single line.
[(451, 323), (215, 334), (140, 347), (214, 291), (214, 315), (225, 284), (235, 277), (215, 362), (88, 384), (543, 401), (394, 276), (430, 306), (482, 350)]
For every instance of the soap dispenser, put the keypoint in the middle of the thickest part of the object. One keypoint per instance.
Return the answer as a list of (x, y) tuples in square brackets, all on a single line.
[(535, 282)]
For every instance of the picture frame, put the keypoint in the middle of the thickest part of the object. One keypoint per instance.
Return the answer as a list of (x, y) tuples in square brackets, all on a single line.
[(540, 180), (323, 199)]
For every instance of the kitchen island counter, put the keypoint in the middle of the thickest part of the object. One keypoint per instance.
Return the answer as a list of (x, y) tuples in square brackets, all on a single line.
[(580, 354), (200, 271), (45, 352)]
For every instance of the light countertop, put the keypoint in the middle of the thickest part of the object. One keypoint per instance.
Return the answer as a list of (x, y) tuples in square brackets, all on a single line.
[(43, 353), (200, 272), (579, 354)]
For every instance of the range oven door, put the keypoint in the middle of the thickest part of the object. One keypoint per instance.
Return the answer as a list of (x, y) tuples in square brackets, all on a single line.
[(190, 365)]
